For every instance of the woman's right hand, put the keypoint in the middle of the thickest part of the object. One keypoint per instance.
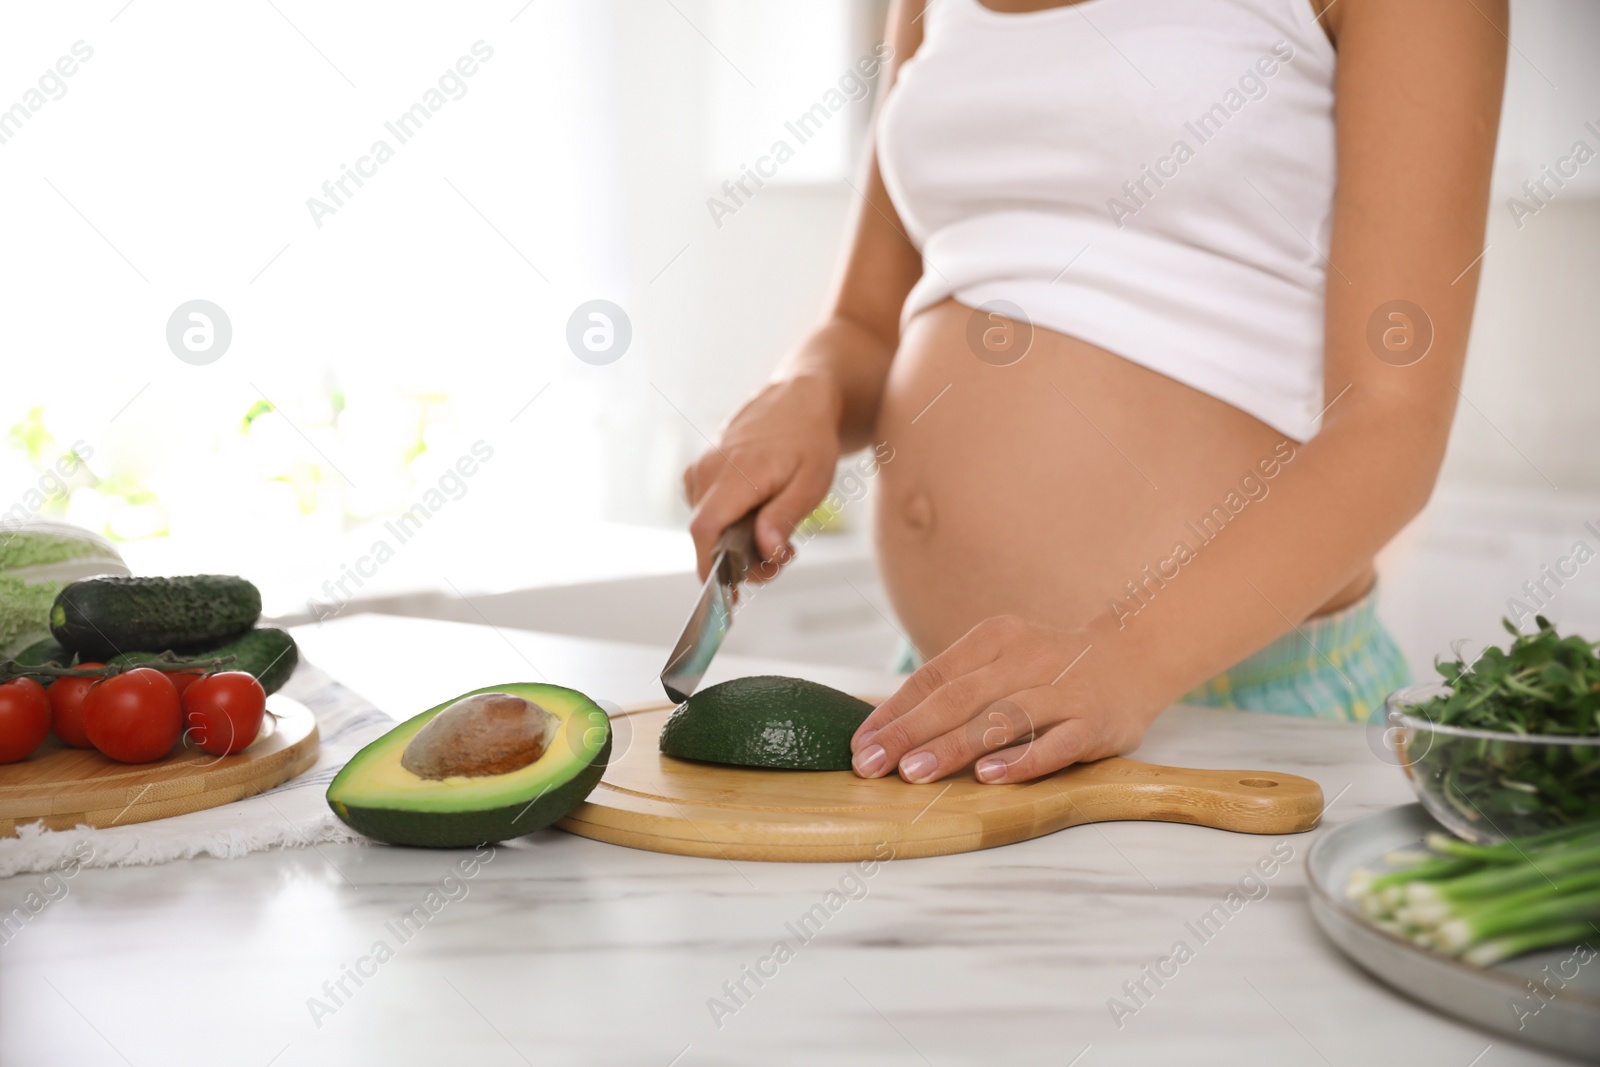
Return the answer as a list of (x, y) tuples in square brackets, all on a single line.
[(778, 454)]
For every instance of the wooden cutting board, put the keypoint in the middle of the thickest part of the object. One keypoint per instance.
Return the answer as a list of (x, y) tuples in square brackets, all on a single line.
[(650, 801), (68, 786)]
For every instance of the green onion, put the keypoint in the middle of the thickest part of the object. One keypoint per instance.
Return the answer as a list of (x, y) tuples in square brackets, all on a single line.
[(1486, 903), (1454, 846), (1510, 877), (1496, 949), (1369, 881), (1457, 934)]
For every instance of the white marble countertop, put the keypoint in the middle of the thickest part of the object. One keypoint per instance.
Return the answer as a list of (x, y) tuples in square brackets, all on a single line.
[(561, 950)]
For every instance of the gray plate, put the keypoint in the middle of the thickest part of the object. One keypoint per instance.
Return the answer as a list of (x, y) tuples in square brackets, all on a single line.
[(1496, 998)]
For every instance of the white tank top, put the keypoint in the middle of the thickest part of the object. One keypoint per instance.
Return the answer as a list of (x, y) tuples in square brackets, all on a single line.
[(1154, 177)]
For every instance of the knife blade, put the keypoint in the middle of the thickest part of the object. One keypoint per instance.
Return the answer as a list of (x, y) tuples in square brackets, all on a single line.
[(713, 613)]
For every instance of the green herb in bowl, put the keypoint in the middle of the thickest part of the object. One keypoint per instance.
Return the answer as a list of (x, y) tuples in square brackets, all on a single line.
[(1510, 744)]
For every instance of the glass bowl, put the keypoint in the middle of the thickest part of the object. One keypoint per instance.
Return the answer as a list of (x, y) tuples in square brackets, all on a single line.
[(1488, 785)]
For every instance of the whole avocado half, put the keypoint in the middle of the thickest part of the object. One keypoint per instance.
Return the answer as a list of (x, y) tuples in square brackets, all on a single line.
[(375, 795), (766, 721)]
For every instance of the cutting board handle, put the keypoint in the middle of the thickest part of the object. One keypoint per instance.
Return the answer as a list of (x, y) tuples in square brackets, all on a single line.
[(1251, 802)]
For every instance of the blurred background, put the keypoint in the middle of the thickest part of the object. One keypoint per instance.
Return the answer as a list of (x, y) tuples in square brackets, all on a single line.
[(399, 345)]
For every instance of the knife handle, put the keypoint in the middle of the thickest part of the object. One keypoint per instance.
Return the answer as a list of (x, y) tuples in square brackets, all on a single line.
[(739, 542)]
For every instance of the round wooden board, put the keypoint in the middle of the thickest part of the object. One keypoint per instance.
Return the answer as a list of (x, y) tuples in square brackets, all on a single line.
[(650, 801), (67, 787)]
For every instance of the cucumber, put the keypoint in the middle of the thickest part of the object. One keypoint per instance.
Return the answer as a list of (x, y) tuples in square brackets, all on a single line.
[(41, 652), (103, 617), (269, 654)]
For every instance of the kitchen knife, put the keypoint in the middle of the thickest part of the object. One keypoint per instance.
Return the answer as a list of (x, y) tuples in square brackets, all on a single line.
[(713, 613)]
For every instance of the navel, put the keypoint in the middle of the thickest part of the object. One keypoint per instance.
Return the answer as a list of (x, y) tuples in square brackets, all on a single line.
[(917, 511)]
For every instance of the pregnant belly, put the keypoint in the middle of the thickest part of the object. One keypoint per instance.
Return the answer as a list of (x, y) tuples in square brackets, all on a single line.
[(1041, 487)]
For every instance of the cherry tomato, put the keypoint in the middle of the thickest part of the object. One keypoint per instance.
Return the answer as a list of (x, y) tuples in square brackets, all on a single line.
[(133, 717), (223, 711), (24, 719), (66, 707)]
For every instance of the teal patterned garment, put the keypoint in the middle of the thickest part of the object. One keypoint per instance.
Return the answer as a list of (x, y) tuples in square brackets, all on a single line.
[(1339, 666)]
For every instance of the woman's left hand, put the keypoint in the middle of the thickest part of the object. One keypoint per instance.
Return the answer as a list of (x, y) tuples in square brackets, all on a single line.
[(1021, 699)]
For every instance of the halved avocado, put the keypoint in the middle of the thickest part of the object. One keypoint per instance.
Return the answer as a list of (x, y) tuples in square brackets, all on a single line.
[(377, 795), (766, 721)]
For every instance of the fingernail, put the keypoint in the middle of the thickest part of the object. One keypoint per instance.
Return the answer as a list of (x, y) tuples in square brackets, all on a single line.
[(989, 768), (864, 738), (915, 767), (869, 762)]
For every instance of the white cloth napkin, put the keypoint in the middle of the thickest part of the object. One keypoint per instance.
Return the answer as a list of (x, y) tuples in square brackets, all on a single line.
[(291, 815)]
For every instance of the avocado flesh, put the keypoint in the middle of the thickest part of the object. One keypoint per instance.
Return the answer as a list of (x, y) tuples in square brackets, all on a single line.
[(766, 721), (376, 796)]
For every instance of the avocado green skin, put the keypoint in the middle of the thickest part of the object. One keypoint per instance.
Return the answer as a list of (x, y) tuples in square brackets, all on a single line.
[(41, 652), (103, 617), (766, 721), (465, 829), (268, 653)]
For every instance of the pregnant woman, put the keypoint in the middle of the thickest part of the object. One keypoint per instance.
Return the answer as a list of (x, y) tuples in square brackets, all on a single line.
[(1159, 308)]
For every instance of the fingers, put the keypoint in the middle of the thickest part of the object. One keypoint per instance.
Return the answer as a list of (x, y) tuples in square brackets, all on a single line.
[(999, 725), (792, 503), (727, 500), (953, 707), (689, 479), (921, 685), (1017, 738), (1062, 745), (777, 454), (991, 698), (978, 647), (784, 497), (701, 475)]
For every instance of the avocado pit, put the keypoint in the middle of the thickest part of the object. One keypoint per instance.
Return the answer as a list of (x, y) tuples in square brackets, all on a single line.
[(481, 735)]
